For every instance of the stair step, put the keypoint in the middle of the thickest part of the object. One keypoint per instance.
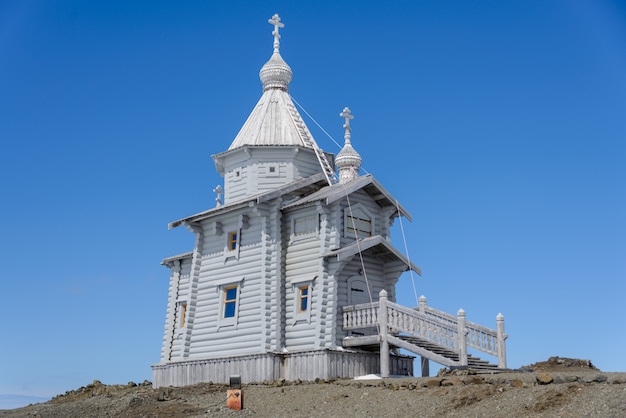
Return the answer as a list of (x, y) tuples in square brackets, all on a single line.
[(473, 362)]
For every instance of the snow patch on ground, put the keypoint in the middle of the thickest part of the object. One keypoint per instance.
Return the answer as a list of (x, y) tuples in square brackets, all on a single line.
[(368, 377)]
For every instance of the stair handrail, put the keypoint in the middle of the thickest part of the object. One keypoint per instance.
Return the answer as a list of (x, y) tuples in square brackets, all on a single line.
[(432, 325), (479, 337), (363, 315), (432, 328)]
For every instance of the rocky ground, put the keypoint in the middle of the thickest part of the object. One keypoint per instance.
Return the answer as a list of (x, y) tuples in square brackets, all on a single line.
[(558, 387)]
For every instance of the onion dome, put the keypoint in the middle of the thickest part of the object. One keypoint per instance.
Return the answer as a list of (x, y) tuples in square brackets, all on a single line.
[(348, 161), (276, 74)]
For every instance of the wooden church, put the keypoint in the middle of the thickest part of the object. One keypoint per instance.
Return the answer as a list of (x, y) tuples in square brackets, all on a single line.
[(289, 271)]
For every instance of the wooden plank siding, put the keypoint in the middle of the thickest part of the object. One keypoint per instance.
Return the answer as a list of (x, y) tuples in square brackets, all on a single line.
[(269, 338), (178, 289), (253, 164), (210, 337), (272, 278), (256, 368), (302, 262), (182, 296)]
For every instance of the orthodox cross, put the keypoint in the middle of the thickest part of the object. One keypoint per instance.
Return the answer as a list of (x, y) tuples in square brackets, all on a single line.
[(347, 116), (275, 21), (218, 199)]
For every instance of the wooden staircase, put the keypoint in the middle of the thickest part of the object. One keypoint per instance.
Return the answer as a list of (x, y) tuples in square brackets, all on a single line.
[(439, 352), (425, 331)]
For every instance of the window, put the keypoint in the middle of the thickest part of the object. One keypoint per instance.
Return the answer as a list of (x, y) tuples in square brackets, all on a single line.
[(272, 169), (230, 301), (358, 222), (232, 241), (229, 297), (236, 174), (303, 298), (302, 293), (181, 313)]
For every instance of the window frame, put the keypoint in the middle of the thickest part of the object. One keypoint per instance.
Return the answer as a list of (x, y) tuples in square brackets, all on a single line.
[(233, 238), (229, 300), (297, 285), (230, 252), (222, 287), (303, 295)]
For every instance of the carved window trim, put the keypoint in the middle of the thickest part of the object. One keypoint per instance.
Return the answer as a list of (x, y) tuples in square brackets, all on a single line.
[(232, 240), (229, 292), (232, 244), (297, 285)]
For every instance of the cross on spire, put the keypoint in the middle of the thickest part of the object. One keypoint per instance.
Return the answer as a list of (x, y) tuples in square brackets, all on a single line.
[(347, 115), (219, 191), (275, 21)]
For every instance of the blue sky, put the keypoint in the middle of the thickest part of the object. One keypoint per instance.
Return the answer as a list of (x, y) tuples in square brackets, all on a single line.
[(499, 125)]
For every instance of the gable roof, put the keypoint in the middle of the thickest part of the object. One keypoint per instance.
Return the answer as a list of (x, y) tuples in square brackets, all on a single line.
[(376, 246), (366, 183), (169, 261), (299, 187)]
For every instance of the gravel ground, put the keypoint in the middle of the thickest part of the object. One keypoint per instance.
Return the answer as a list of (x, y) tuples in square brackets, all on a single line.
[(575, 392)]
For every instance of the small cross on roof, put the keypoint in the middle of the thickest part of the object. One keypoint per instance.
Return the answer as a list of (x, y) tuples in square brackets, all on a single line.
[(347, 115), (275, 21)]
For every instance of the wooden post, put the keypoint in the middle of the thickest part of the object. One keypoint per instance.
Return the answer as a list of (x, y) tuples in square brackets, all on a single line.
[(461, 336), (384, 344), (422, 304), (501, 341), (425, 366)]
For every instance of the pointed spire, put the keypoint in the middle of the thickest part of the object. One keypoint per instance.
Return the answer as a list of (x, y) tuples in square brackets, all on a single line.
[(348, 161)]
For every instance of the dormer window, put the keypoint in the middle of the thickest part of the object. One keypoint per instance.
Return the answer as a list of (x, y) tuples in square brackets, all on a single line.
[(358, 222)]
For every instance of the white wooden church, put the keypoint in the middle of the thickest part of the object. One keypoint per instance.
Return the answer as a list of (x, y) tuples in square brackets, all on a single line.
[(292, 274)]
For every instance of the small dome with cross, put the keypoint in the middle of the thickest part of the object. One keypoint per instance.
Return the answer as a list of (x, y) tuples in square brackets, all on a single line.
[(276, 74), (348, 161)]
